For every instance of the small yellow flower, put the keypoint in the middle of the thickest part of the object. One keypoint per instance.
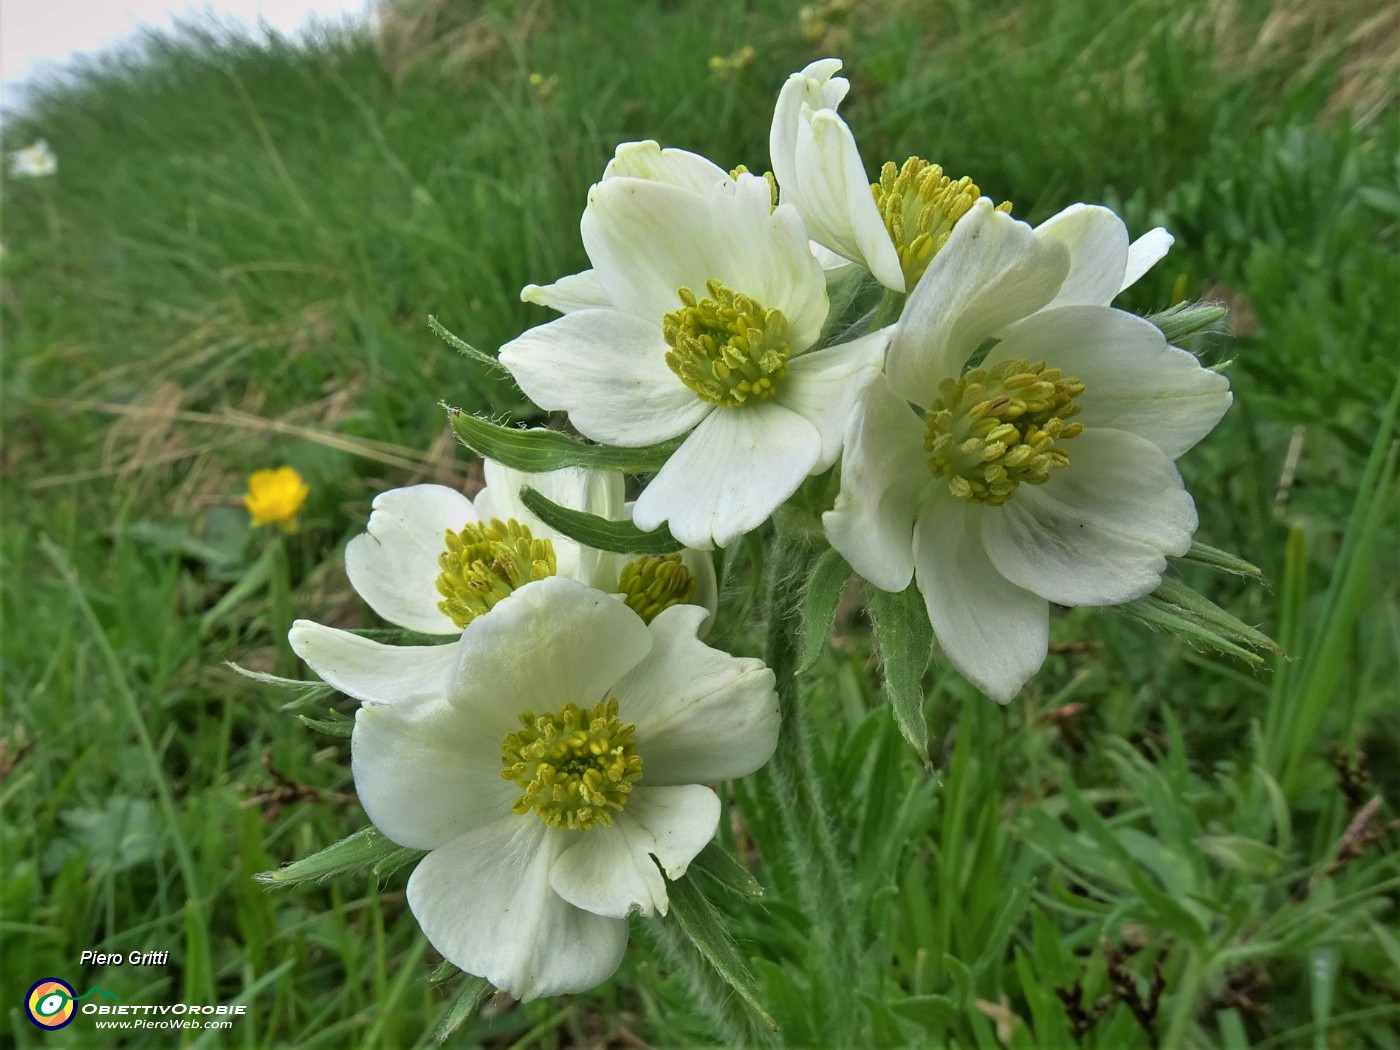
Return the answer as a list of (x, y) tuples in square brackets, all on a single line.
[(543, 86), (274, 497), (727, 68)]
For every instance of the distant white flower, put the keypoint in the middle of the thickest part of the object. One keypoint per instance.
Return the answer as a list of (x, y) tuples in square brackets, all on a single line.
[(432, 560), (699, 316), (34, 161), (556, 777), (975, 481)]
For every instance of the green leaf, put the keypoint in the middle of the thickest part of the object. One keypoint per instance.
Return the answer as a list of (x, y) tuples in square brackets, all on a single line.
[(604, 534), (905, 638), (538, 450), (177, 540), (704, 928), (1177, 608), (443, 971), (337, 725), (1186, 319), (468, 998), (1246, 855), (249, 584), (1221, 561), (819, 603), (464, 348), (723, 868), (307, 692), (1168, 912), (367, 848)]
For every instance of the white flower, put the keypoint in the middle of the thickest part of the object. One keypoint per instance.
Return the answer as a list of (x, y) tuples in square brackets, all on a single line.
[(397, 566), (35, 160), (820, 173), (699, 315), (570, 747), (893, 226), (984, 490)]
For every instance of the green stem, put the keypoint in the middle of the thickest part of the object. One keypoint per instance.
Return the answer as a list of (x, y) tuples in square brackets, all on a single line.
[(279, 590), (1187, 1003), (888, 311), (792, 782)]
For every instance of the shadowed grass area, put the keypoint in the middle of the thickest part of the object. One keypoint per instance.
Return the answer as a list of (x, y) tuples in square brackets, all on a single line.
[(233, 268)]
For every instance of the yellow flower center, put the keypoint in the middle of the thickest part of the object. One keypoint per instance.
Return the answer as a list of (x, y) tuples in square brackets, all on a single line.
[(920, 206), (576, 768), (994, 428), (652, 583), (726, 347), (485, 562), (275, 496)]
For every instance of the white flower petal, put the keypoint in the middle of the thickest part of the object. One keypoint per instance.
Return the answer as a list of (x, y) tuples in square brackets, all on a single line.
[(819, 171), (730, 474), (595, 491), (816, 87), (992, 271), (1098, 253), (647, 241), (883, 474), (370, 671), (994, 632), (608, 371), (579, 291), (822, 387), (610, 871), (701, 714), (394, 564), (541, 648), (1098, 532), (837, 269), (676, 167), (426, 774), (767, 256), (484, 902), (1133, 379), (1144, 253), (832, 192)]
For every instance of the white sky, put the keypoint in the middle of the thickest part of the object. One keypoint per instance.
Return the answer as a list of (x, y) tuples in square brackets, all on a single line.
[(34, 34)]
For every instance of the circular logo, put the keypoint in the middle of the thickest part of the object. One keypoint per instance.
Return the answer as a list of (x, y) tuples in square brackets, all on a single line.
[(50, 1003)]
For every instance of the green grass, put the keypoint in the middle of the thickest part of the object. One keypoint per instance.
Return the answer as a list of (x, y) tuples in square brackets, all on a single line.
[(233, 269)]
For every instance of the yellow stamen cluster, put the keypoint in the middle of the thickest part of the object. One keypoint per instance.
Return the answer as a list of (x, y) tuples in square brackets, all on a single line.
[(727, 348), (994, 428), (768, 177), (576, 767), (485, 562), (920, 206), (653, 583)]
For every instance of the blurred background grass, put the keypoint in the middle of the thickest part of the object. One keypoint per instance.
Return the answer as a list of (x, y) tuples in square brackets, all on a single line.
[(233, 268)]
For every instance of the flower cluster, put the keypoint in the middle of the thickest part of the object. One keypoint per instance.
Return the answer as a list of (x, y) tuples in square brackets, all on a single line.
[(1002, 437), (1007, 442), (559, 740)]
